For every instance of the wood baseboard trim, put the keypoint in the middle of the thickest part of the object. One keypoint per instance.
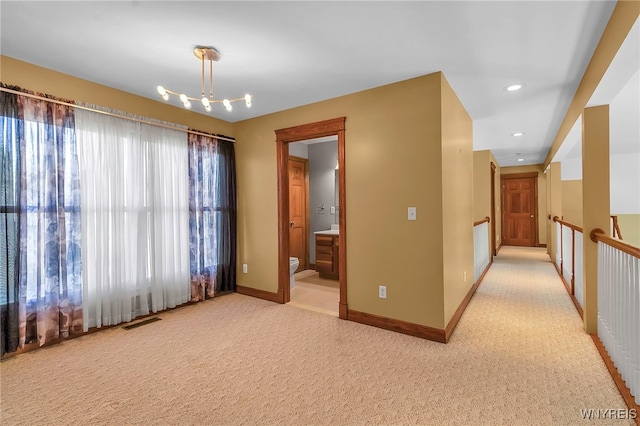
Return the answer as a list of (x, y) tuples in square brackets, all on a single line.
[(412, 329), (568, 288), (448, 330), (617, 378), (343, 311), (260, 294), (577, 305)]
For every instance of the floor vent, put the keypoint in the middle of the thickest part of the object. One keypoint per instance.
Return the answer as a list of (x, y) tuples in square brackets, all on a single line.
[(141, 323)]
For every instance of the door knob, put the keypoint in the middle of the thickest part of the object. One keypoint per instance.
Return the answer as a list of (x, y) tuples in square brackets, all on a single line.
[(293, 223), (531, 216)]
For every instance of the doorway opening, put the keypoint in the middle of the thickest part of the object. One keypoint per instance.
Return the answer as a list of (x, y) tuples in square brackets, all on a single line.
[(334, 127)]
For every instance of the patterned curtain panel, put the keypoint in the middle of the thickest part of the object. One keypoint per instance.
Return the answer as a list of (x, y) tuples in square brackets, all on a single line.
[(50, 282), (228, 213), (9, 221), (212, 216)]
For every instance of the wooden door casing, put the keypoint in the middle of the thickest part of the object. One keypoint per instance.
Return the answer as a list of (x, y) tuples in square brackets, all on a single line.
[(331, 127), (519, 210), (494, 251), (298, 235)]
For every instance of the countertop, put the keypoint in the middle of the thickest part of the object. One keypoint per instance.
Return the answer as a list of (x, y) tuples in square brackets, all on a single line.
[(328, 232)]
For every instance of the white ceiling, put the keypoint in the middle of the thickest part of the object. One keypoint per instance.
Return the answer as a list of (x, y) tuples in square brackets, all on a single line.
[(289, 54), (619, 88)]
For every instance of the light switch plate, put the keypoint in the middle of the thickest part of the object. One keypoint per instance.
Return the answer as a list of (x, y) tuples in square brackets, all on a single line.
[(245, 268), (382, 291), (411, 212)]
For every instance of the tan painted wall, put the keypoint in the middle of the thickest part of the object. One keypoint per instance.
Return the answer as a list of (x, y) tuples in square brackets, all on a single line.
[(498, 195), (482, 189), (555, 204), (572, 201), (542, 195), (43, 80), (393, 154), (629, 225), (457, 200), (393, 160), (481, 184)]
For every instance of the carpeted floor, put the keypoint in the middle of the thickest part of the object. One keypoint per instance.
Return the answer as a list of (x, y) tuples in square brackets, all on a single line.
[(518, 357)]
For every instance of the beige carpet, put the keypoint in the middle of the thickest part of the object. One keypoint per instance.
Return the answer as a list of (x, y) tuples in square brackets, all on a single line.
[(518, 357)]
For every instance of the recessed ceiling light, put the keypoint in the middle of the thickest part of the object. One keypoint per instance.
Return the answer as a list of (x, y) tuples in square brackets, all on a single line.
[(513, 87), (517, 134), (520, 159)]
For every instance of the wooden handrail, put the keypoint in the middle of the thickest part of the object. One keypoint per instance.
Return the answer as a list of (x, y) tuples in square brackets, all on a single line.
[(480, 222), (616, 229), (570, 225), (598, 235)]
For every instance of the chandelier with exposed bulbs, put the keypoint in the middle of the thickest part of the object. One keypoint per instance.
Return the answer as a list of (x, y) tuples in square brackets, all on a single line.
[(205, 53)]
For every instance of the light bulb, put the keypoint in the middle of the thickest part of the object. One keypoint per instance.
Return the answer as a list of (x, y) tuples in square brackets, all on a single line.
[(205, 101), (227, 104), (183, 98), (165, 96), (187, 105), (247, 100), (162, 91), (207, 108)]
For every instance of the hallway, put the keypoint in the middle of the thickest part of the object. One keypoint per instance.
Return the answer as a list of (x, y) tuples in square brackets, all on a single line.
[(525, 341)]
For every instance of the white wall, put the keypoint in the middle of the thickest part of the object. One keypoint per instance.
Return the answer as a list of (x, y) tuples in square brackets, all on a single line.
[(299, 149), (625, 148), (571, 169), (322, 167)]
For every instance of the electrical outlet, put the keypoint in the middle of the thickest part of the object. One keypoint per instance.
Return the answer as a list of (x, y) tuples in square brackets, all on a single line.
[(245, 268), (382, 291)]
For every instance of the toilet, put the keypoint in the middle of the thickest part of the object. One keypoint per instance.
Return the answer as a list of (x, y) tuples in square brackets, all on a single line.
[(293, 265)]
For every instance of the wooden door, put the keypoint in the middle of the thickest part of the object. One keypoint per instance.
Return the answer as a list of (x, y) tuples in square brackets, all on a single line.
[(519, 206), (298, 240)]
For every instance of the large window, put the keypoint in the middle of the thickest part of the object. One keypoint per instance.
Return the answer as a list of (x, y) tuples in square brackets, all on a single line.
[(96, 222)]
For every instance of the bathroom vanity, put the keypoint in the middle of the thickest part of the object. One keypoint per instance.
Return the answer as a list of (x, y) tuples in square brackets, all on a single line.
[(327, 254)]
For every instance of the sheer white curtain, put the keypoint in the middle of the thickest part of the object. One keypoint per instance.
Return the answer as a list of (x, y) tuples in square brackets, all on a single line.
[(135, 218)]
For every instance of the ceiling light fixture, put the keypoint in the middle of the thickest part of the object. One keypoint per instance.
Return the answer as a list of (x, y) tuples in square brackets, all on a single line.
[(513, 87), (517, 134), (205, 53), (520, 159)]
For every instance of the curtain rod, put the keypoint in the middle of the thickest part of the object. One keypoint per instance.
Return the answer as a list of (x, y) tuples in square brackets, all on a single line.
[(166, 126)]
